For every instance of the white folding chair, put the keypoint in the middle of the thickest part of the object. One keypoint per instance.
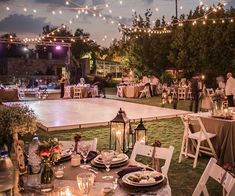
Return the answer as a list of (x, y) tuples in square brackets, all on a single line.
[(77, 93), (197, 138), (214, 171), (119, 91), (70, 144), (160, 153), (210, 92), (145, 92), (182, 93), (21, 93)]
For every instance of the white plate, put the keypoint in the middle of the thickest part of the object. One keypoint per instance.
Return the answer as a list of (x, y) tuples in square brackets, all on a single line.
[(126, 180), (119, 159), (66, 153)]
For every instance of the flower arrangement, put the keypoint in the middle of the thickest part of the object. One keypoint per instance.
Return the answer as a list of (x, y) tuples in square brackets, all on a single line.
[(15, 119), (50, 151)]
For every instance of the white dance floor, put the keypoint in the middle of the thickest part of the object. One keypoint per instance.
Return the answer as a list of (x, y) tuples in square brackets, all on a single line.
[(69, 114)]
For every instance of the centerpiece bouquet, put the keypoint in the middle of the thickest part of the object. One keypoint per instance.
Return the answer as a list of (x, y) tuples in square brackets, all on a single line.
[(50, 153)]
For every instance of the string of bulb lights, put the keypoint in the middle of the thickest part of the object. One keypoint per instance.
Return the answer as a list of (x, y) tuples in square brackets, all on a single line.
[(96, 11)]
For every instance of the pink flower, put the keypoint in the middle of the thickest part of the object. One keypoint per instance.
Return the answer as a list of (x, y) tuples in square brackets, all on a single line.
[(45, 153)]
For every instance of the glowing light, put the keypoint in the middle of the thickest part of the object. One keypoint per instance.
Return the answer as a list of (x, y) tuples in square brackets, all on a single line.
[(133, 10), (106, 5), (25, 9), (60, 11), (67, 3), (25, 49), (120, 17), (181, 7), (157, 9), (120, 2), (58, 47), (53, 12), (7, 8), (34, 11)]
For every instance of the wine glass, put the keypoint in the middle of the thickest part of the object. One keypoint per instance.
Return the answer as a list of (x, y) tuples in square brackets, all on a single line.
[(107, 157), (84, 150), (85, 182)]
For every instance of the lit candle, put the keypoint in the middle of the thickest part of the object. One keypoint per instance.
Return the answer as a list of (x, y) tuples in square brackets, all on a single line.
[(76, 160)]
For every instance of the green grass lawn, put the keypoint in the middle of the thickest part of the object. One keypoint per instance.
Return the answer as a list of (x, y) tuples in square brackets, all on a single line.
[(182, 177)]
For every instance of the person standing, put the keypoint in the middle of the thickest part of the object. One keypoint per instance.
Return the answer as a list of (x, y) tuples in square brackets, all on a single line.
[(195, 94), (62, 83), (230, 89)]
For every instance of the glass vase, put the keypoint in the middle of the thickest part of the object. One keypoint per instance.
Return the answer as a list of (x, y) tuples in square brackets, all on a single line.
[(47, 179)]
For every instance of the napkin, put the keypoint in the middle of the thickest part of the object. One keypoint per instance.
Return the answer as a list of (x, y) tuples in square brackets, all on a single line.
[(91, 156), (129, 169)]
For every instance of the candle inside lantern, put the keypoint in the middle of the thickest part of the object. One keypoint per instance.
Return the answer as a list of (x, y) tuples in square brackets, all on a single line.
[(118, 141)]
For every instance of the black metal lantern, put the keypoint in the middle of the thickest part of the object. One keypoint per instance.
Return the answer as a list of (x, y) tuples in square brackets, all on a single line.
[(141, 133), (119, 132)]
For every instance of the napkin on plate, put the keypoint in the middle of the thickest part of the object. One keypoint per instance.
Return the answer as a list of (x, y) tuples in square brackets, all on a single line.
[(129, 169), (91, 155)]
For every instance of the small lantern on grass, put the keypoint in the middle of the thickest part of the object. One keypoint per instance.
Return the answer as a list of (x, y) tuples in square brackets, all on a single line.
[(141, 133), (164, 98), (119, 132)]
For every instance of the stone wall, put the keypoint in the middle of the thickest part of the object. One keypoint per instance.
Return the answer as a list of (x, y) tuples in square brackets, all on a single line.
[(23, 67)]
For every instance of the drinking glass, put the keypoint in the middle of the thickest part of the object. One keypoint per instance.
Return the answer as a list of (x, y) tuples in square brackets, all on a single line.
[(85, 182), (107, 157), (84, 150)]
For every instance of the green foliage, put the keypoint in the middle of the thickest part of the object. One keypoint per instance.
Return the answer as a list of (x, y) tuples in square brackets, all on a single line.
[(15, 119), (209, 48)]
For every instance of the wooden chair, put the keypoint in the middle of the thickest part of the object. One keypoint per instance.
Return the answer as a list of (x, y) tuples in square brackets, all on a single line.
[(196, 138), (70, 144), (214, 171), (77, 93), (161, 153), (145, 92)]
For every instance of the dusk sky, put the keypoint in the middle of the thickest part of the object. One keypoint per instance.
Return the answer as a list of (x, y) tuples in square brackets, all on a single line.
[(27, 17)]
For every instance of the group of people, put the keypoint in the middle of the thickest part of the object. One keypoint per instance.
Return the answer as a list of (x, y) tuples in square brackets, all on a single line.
[(98, 81), (197, 87)]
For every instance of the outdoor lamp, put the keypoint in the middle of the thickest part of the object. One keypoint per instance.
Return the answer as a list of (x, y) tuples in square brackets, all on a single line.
[(119, 132), (141, 133)]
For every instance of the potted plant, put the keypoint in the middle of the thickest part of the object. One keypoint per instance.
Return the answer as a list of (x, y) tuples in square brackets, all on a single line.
[(50, 153), (15, 120)]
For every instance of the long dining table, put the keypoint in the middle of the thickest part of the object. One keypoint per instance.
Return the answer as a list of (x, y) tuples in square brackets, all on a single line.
[(68, 183), (224, 142)]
